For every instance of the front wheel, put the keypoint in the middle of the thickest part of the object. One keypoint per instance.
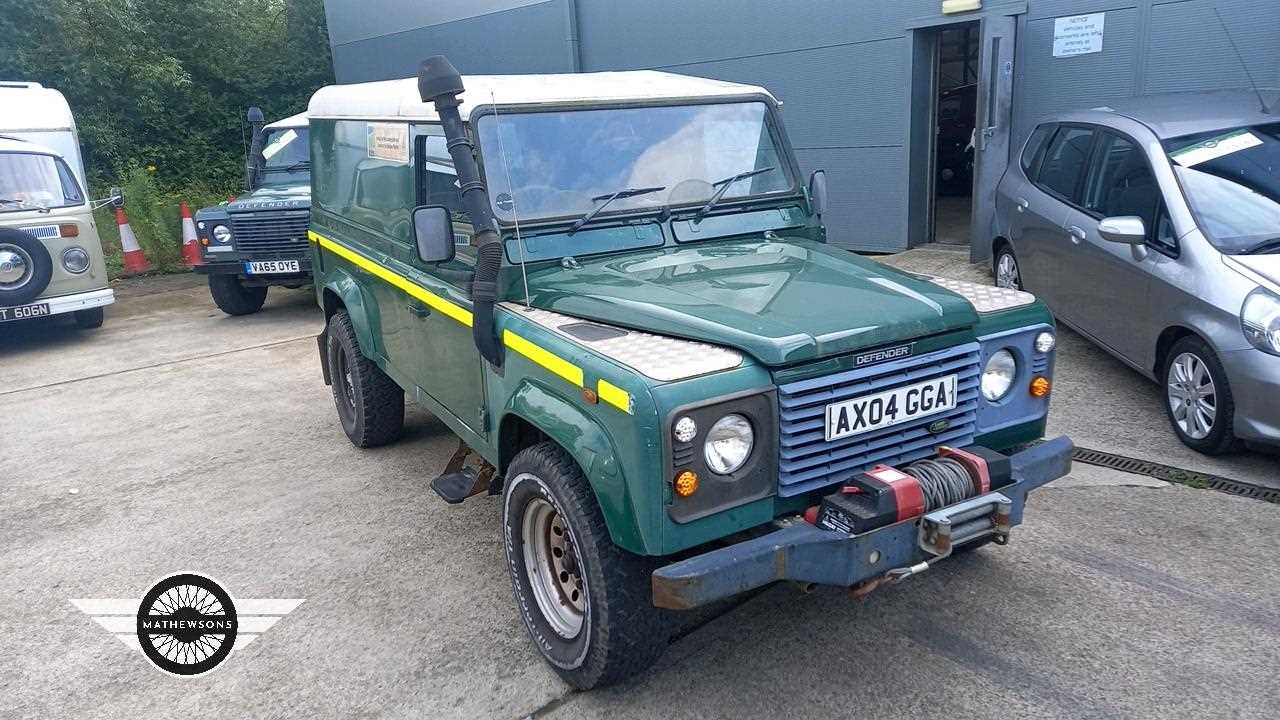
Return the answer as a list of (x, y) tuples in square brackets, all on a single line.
[(1197, 397), (233, 298), (586, 603), (1005, 266)]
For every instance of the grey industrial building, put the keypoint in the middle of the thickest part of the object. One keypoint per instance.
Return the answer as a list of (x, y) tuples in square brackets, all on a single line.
[(882, 94)]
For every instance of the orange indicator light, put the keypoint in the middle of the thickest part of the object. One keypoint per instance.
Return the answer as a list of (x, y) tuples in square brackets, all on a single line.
[(686, 483)]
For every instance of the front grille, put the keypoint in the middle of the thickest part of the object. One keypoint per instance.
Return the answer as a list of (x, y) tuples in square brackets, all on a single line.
[(808, 461), (271, 234)]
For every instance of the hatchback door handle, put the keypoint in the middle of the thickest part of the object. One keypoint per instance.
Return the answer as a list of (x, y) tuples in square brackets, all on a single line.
[(1022, 204), (419, 310), (1077, 234)]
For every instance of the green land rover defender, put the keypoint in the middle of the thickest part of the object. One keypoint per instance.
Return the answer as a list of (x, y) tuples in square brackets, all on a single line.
[(616, 289)]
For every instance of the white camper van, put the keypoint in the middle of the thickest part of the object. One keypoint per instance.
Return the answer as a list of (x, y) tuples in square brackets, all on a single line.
[(50, 255)]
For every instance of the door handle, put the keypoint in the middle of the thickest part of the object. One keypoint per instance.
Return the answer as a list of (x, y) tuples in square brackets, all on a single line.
[(1077, 234), (419, 310), (1022, 204)]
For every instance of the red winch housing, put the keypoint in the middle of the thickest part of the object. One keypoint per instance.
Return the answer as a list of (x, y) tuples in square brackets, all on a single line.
[(885, 495)]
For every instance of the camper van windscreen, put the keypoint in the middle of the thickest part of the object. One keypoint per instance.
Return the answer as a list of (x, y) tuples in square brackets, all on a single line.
[(32, 181)]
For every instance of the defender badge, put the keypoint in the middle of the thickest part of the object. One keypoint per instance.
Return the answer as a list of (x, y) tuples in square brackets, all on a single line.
[(872, 357)]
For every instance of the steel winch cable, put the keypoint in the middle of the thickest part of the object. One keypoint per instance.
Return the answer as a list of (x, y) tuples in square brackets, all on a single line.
[(944, 481)]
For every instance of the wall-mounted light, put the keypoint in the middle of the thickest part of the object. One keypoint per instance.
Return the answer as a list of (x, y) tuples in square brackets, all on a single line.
[(959, 6)]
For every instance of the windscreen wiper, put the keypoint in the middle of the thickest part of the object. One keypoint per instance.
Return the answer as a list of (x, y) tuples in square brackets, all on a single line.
[(624, 193), (1265, 246), (291, 168), (724, 185)]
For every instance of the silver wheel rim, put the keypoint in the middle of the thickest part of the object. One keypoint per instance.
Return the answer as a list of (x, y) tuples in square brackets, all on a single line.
[(16, 267), (1193, 396), (1007, 272), (554, 569)]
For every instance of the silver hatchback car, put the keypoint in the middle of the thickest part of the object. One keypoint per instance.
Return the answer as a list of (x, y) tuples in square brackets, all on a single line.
[(1153, 228)]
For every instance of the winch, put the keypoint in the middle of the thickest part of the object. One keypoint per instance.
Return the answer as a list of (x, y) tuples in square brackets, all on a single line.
[(885, 495)]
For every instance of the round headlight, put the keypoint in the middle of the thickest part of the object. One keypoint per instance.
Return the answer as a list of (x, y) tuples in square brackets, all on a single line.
[(75, 259), (1045, 342), (728, 444), (1260, 321), (685, 429), (222, 234), (998, 375)]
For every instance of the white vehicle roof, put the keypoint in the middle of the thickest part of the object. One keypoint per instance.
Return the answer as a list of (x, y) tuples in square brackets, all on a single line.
[(28, 106), (8, 144), (399, 99), (293, 121)]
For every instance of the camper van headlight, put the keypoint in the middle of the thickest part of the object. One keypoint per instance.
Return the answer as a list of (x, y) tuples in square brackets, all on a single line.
[(75, 259), (222, 234)]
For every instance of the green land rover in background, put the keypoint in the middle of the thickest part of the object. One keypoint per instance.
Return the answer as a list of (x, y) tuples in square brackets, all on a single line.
[(615, 288), (259, 239)]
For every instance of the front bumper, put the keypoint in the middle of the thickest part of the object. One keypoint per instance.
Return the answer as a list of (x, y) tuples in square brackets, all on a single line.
[(1255, 384), (77, 301), (235, 266), (806, 553)]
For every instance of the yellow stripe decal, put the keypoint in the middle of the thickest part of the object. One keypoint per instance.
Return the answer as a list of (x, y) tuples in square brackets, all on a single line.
[(415, 290), (614, 395), (607, 391), (550, 361)]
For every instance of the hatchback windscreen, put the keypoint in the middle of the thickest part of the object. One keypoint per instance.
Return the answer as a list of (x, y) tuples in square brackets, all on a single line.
[(286, 150), (29, 181), (1232, 182), (570, 164)]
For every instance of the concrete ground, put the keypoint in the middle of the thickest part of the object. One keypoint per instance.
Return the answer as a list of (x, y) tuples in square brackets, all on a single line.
[(177, 438)]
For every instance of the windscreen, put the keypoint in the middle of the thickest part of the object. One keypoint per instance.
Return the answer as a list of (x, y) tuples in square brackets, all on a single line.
[(286, 150), (30, 181), (562, 164), (1232, 181)]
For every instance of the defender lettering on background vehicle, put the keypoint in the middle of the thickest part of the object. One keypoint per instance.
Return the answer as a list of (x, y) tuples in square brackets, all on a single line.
[(643, 343), (260, 238)]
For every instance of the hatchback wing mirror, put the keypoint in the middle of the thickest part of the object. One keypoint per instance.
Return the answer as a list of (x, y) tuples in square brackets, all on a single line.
[(1126, 229), (433, 233), (818, 192)]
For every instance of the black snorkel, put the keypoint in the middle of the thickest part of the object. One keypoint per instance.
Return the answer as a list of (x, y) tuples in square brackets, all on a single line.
[(251, 168), (440, 83)]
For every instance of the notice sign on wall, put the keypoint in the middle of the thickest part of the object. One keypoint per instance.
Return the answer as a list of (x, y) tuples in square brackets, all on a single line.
[(1078, 34), (389, 141)]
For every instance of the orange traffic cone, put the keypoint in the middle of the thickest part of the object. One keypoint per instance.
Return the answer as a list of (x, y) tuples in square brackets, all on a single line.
[(190, 250), (134, 261)]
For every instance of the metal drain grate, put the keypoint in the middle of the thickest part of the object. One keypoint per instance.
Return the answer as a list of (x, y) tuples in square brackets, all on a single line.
[(1191, 478)]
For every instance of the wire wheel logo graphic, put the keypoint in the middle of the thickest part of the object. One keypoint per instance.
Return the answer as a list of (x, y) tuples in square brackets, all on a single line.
[(187, 624)]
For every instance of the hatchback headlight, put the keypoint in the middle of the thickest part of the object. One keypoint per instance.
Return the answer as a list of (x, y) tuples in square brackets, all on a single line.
[(728, 444), (1260, 321), (222, 234), (998, 375), (75, 259)]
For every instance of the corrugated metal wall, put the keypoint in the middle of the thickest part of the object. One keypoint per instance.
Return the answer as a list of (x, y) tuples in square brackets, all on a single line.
[(842, 67)]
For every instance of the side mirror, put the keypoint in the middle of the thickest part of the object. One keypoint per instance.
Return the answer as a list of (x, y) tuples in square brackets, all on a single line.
[(818, 192), (117, 197), (1126, 229), (433, 232)]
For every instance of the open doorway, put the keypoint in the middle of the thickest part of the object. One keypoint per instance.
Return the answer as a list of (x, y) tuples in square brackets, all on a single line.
[(956, 74)]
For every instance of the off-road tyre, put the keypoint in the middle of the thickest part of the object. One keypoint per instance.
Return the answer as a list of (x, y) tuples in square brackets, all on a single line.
[(233, 298), (370, 405), (622, 633), (89, 319), (1221, 437), (39, 267)]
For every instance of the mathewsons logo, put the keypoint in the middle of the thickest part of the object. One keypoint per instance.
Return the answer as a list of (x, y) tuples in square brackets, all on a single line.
[(186, 624)]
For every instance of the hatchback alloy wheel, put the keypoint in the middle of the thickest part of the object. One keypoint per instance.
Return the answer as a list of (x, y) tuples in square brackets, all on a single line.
[(1007, 275), (1193, 396)]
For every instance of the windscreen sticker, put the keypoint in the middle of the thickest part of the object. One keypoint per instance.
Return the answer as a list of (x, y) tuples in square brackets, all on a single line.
[(278, 144), (389, 141), (1214, 148)]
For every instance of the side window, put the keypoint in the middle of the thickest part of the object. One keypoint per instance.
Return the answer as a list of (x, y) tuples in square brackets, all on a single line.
[(351, 182), (437, 184), (1121, 183), (1065, 161), (1034, 145)]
